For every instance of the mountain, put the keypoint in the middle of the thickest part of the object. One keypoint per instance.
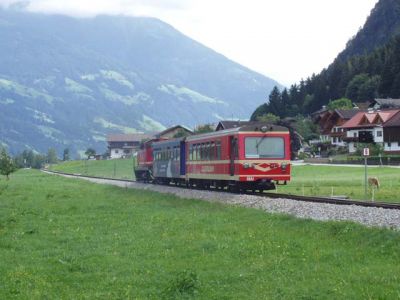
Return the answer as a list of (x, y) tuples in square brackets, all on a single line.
[(67, 82), (368, 68), (382, 24)]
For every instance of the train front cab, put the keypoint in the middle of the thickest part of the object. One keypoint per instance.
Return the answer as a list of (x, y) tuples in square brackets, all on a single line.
[(247, 158), (260, 157)]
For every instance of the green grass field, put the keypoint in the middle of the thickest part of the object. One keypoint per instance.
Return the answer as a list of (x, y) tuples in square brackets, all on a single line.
[(70, 239), (306, 180), (348, 181), (115, 168)]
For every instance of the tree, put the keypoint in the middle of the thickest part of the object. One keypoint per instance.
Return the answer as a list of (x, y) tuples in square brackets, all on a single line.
[(7, 165), (268, 118), (342, 103), (275, 102), (90, 152), (204, 128), (181, 133), (51, 156), (66, 154)]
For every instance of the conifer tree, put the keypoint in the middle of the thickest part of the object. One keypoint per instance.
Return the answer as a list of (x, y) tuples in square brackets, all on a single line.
[(7, 165)]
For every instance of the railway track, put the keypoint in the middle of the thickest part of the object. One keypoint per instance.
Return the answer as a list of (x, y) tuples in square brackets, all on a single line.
[(337, 201)]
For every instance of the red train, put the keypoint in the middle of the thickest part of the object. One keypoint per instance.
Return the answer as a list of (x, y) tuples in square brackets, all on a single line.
[(251, 157)]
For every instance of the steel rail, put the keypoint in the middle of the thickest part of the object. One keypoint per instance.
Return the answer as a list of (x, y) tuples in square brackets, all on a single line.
[(327, 200)]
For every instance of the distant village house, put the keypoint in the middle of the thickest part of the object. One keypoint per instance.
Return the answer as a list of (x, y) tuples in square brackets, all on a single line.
[(124, 145)]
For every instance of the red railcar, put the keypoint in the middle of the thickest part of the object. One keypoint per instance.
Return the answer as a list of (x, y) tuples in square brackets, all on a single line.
[(144, 162), (250, 157)]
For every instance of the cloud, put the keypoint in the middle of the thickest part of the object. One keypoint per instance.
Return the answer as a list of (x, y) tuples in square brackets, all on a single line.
[(95, 7)]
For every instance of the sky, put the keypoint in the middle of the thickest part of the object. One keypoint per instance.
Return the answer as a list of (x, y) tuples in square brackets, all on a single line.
[(286, 40)]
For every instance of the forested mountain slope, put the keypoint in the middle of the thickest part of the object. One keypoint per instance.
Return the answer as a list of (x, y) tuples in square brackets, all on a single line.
[(369, 67), (67, 82)]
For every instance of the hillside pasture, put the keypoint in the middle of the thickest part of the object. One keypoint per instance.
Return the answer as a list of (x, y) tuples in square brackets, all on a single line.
[(69, 239), (312, 180), (321, 180)]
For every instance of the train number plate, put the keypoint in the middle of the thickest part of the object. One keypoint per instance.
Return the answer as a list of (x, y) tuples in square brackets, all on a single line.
[(250, 178)]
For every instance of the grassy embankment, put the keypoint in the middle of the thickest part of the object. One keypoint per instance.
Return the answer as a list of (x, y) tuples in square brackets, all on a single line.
[(115, 168), (69, 239), (306, 180), (349, 181)]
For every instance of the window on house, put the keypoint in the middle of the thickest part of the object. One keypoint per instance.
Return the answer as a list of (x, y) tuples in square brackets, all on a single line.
[(379, 133)]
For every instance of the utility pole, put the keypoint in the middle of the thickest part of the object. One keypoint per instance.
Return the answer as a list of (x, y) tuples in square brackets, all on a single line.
[(366, 154)]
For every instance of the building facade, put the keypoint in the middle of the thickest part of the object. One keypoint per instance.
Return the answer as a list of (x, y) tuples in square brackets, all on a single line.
[(124, 145)]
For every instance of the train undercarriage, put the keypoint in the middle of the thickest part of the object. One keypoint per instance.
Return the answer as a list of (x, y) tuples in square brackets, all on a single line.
[(146, 176)]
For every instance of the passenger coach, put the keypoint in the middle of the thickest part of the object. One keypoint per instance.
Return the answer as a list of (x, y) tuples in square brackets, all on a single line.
[(251, 157)]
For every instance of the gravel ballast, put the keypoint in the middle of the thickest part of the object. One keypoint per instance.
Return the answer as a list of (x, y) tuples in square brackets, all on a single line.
[(369, 216)]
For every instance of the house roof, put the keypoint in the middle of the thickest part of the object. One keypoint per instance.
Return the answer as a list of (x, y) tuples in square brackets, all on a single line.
[(389, 102), (363, 105), (136, 137), (174, 128), (370, 119), (394, 121), (347, 114), (232, 124), (320, 111)]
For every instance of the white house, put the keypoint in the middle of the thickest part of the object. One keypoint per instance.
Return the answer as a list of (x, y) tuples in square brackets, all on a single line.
[(367, 127)]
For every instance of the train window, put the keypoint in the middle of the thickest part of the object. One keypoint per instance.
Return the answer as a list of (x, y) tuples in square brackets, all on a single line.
[(198, 151), (212, 151), (191, 152), (201, 152), (264, 147), (218, 149)]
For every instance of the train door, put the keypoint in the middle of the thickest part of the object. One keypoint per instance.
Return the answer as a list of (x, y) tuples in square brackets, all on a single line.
[(232, 154), (183, 158)]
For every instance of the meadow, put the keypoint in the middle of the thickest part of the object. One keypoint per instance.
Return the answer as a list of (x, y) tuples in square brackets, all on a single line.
[(115, 168), (310, 180), (322, 180), (69, 239)]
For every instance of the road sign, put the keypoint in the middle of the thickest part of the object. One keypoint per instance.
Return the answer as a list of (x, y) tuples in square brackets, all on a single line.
[(366, 151)]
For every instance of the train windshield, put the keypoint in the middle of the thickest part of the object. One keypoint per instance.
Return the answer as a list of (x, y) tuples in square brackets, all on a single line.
[(264, 147)]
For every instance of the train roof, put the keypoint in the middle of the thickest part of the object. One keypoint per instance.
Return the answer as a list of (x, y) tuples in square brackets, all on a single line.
[(253, 127), (168, 143)]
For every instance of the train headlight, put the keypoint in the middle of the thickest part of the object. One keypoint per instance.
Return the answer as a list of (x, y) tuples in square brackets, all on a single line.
[(284, 166), (246, 165), (264, 129)]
